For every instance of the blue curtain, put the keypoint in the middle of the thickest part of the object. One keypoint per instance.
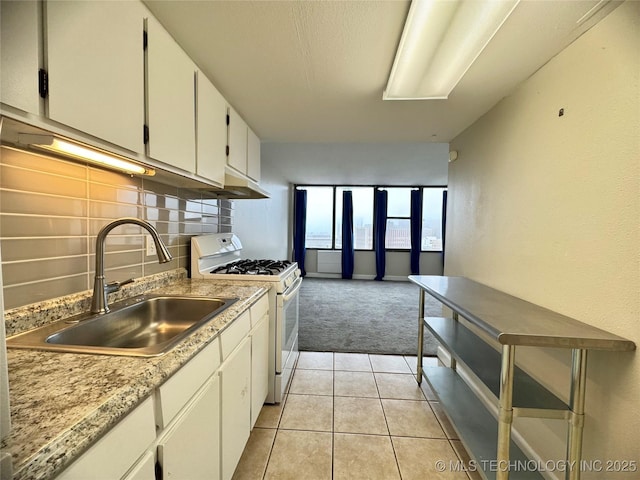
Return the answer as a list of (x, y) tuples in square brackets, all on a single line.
[(347, 234), (380, 231), (300, 228), (444, 222), (416, 230)]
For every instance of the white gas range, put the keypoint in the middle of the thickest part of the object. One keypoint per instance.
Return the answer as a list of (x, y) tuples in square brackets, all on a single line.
[(218, 257)]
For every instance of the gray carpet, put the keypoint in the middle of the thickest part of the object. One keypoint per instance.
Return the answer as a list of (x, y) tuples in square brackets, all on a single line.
[(362, 316)]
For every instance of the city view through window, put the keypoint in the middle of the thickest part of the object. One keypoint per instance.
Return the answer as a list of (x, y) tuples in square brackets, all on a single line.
[(324, 217)]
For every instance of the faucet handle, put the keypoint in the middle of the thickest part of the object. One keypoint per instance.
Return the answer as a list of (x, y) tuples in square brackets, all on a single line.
[(115, 286)]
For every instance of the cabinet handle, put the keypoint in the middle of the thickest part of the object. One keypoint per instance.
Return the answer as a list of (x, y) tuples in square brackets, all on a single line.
[(158, 471), (43, 83)]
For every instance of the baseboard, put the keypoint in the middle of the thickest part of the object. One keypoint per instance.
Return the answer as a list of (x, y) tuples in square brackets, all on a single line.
[(444, 357), (391, 278), (338, 276)]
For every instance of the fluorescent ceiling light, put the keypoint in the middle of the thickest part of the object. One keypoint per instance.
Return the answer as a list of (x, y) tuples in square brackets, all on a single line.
[(81, 152), (440, 41)]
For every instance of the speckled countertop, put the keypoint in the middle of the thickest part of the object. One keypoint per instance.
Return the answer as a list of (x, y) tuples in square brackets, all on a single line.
[(61, 403)]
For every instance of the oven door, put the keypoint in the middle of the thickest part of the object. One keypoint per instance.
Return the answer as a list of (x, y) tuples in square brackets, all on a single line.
[(287, 341)]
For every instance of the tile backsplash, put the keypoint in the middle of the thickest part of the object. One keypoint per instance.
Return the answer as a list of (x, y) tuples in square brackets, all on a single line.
[(51, 211)]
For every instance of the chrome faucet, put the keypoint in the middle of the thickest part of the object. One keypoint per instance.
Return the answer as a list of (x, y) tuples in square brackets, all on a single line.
[(100, 289)]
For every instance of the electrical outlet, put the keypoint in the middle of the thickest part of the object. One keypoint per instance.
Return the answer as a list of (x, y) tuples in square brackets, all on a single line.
[(151, 246)]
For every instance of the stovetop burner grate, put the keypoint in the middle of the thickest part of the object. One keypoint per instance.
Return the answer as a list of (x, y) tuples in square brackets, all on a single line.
[(254, 267)]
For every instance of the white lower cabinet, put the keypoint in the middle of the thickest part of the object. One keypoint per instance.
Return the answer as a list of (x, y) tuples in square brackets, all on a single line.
[(195, 426), (145, 469), (114, 454), (259, 366), (176, 392), (190, 447), (235, 375)]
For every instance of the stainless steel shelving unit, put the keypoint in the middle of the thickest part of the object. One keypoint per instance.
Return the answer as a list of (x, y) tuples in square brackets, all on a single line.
[(509, 322)]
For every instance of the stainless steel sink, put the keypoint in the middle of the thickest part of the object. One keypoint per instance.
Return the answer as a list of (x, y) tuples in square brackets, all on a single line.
[(145, 326)]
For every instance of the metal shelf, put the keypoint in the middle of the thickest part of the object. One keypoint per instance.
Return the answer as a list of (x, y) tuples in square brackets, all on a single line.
[(485, 362), (510, 322), (475, 425), (513, 321)]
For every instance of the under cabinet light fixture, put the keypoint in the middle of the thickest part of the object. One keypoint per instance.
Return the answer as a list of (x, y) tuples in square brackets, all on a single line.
[(78, 151), (440, 41)]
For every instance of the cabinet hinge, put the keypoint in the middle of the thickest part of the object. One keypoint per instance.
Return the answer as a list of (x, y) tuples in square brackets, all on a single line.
[(228, 119), (145, 40), (43, 83), (145, 134), (227, 150), (158, 471)]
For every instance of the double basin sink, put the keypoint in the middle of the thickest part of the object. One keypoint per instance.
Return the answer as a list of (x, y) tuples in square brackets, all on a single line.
[(144, 326)]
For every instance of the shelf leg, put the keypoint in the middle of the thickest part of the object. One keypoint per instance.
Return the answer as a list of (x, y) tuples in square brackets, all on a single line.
[(505, 411), (420, 336), (576, 420), (452, 361)]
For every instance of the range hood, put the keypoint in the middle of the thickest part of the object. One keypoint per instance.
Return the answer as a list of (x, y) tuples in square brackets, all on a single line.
[(238, 186)]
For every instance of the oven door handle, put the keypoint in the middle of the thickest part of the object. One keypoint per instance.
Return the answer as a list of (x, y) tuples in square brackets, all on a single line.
[(293, 290)]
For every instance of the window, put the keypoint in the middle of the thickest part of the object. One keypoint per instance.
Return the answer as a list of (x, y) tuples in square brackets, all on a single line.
[(319, 217), (324, 217), (398, 235), (432, 219)]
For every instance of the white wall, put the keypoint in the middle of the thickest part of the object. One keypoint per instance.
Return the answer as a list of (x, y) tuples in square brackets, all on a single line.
[(397, 267), (547, 208), (358, 163), (265, 227)]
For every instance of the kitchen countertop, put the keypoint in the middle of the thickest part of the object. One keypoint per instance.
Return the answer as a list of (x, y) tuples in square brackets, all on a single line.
[(62, 403)]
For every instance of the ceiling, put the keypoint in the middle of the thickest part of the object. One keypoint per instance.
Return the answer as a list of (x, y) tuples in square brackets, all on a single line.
[(314, 71)]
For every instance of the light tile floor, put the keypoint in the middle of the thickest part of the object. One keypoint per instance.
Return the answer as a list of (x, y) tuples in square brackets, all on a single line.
[(354, 416)]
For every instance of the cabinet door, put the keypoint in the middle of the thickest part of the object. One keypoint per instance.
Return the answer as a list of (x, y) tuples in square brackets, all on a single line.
[(191, 447), (253, 155), (20, 54), (115, 453), (170, 100), (177, 390), (211, 131), (145, 469), (259, 367), (236, 406), (95, 61), (237, 142)]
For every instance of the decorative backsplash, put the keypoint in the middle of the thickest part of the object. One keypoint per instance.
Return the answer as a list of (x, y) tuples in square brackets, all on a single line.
[(51, 211)]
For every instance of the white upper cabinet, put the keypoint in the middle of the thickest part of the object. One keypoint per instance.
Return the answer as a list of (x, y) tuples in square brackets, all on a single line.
[(95, 63), (170, 100), (237, 142), (253, 155), (108, 70), (20, 53), (244, 147), (211, 126)]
